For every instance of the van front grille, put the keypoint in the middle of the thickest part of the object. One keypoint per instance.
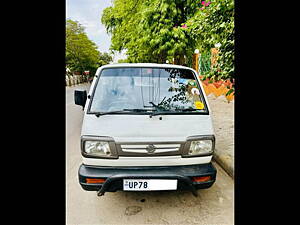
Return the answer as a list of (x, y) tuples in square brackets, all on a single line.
[(138, 149)]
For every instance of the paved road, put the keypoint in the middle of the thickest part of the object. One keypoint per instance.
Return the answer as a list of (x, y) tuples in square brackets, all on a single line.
[(212, 206)]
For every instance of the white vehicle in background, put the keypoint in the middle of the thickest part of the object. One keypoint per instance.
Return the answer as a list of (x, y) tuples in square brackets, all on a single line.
[(146, 127)]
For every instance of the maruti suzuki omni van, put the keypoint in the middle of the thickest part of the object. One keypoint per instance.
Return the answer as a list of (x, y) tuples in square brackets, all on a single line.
[(146, 127)]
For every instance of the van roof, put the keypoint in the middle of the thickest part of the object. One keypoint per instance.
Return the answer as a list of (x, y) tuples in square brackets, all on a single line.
[(143, 65)]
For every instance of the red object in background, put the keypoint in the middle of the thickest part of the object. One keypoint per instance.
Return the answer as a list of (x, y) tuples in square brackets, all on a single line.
[(228, 83), (218, 83), (205, 81)]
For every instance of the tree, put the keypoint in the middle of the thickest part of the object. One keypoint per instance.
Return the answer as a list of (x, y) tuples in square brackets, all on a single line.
[(123, 61), (104, 58), (81, 52), (152, 30), (160, 30), (213, 25)]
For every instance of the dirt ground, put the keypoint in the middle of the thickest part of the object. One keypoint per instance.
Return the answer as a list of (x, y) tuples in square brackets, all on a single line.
[(223, 121)]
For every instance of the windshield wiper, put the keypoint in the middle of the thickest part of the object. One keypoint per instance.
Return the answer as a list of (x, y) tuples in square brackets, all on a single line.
[(158, 109), (156, 106), (191, 109), (159, 104), (159, 112), (121, 111)]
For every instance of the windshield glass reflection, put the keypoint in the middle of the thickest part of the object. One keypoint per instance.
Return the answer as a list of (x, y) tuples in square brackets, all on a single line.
[(147, 88)]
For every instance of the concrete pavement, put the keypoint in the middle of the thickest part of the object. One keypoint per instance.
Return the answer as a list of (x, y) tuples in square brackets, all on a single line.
[(222, 113)]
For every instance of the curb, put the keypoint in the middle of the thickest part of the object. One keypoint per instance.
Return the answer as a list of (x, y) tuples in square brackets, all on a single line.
[(225, 163)]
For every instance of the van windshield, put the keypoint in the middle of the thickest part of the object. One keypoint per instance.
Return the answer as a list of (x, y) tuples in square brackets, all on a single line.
[(163, 89)]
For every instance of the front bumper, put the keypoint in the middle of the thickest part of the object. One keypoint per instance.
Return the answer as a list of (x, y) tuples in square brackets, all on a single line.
[(114, 176)]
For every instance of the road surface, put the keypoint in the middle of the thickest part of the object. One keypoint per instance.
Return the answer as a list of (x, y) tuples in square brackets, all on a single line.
[(212, 206)]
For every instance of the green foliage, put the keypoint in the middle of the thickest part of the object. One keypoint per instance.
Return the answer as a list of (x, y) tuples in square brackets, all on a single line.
[(214, 24), (123, 61), (160, 30), (150, 30), (81, 53), (104, 58)]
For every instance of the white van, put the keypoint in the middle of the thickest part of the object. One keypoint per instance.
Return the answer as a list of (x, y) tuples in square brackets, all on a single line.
[(146, 127)]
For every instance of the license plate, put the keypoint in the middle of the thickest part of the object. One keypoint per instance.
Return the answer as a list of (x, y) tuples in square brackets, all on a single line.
[(149, 185)]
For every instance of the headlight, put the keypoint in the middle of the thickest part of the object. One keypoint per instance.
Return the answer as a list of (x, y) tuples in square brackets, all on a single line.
[(201, 147), (97, 148), (102, 147)]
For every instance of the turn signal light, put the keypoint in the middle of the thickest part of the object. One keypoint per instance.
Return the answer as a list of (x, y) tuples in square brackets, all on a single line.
[(94, 180), (201, 179)]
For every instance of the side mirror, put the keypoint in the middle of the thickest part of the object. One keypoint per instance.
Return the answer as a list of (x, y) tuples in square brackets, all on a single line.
[(80, 97)]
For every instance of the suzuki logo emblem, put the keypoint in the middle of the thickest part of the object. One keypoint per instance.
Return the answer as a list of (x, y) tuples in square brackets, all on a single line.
[(151, 148)]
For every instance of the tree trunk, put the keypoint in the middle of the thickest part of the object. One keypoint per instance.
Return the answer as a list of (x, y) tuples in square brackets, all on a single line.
[(179, 60)]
